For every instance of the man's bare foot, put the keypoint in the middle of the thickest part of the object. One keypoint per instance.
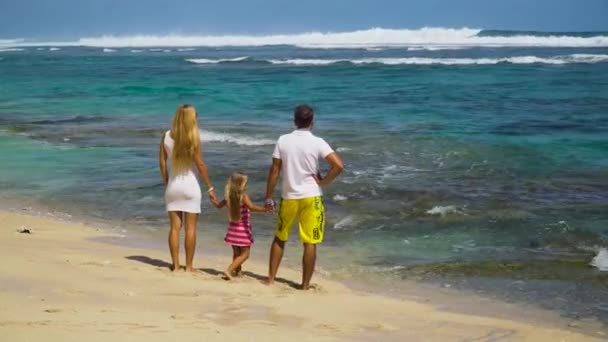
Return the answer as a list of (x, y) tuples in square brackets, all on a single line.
[(190, 269), (308, 287), (174, 269)]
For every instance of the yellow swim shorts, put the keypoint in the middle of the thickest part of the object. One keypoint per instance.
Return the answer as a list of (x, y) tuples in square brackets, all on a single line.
[(310, 214)]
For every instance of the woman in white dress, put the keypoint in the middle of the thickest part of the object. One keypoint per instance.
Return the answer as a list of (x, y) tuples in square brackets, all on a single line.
[(182, 148)]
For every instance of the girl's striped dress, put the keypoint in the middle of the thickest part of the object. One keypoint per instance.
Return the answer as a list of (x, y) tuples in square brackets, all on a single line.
[(240, 233)]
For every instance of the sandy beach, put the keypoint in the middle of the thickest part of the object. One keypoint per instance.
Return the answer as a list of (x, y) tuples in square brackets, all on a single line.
[(60, 284)]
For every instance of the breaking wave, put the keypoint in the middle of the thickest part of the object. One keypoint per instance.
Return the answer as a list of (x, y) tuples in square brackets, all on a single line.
[(600, 261), (216, 61), (567, 59), (209, 136), (375, 37)]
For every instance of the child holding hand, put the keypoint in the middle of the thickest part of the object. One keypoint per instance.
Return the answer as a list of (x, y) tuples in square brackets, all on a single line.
[(240, 233)]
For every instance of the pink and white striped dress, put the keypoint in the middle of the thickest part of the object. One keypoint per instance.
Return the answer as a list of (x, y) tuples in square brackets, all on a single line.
[(240, 233)]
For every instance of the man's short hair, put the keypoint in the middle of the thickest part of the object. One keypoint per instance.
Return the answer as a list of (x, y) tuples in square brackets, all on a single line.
[(303, 115)]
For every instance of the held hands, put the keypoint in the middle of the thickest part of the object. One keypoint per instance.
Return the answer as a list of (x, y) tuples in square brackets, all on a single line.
[(212, 196), (269, 205), (214, 202)]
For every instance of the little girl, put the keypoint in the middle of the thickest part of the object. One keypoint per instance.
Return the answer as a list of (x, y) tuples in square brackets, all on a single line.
[(239, 234)]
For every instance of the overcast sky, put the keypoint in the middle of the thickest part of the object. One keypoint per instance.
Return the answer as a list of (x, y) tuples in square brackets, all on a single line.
[(81, 18)]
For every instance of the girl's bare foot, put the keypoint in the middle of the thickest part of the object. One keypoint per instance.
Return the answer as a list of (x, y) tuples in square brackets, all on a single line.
[(227, 275)]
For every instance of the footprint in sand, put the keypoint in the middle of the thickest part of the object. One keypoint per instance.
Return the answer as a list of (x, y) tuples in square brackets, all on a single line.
[(381, 327), (52, 310), (96, 263), (329, 327), (181, 294)]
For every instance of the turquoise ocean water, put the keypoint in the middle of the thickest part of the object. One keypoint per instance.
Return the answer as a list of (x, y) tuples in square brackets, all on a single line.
[(482, 163)]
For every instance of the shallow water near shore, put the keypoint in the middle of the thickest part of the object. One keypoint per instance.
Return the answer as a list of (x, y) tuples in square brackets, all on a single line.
[(486, 177)]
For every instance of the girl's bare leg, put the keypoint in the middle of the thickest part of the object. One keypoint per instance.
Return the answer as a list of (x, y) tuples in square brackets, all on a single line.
[(237, 262), (236, 251)]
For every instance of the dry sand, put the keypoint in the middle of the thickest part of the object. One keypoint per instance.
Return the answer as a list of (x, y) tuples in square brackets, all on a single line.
[(59, 284)]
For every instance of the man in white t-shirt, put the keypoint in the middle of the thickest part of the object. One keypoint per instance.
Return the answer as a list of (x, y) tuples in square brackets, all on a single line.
[(296, 156)]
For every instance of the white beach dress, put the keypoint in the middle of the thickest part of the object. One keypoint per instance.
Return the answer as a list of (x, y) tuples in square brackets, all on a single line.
[(183, 192)]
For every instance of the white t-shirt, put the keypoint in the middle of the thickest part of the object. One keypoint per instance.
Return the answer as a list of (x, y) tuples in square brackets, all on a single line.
[(299, 152)]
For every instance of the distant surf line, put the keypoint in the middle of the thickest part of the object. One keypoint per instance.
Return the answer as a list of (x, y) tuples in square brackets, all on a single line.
[(369, 38), (556, 60)]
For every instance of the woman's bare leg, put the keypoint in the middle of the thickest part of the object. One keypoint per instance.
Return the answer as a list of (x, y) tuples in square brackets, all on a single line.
[(175, 219), (190, 224)]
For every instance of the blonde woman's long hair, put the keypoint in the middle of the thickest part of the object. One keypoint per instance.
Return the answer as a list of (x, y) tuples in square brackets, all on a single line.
[(184, 132), (233, 193)]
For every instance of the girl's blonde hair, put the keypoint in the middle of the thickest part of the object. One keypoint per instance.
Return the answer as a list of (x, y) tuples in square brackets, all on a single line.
[(233, 193), (184, 132)]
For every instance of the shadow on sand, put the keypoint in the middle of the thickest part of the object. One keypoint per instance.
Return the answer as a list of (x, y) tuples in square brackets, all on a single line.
[(278, 280), (163, 264)]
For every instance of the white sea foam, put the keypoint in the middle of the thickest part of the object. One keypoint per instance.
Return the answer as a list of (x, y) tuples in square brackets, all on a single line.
[(10, 41), (601, 260), (54, 49), (435, 48), (208, 136), (343, 149), (186, 49), (10, 50), (108, 50), (308, 61), (566, 59), (137, 51), (344, 222), (215, 61), (375, 37), (340, 198), (443, 211)]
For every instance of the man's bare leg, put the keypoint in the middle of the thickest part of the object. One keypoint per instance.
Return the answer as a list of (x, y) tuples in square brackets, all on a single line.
[(190, 219), (308, 264), (276, 254), (175, 218)]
